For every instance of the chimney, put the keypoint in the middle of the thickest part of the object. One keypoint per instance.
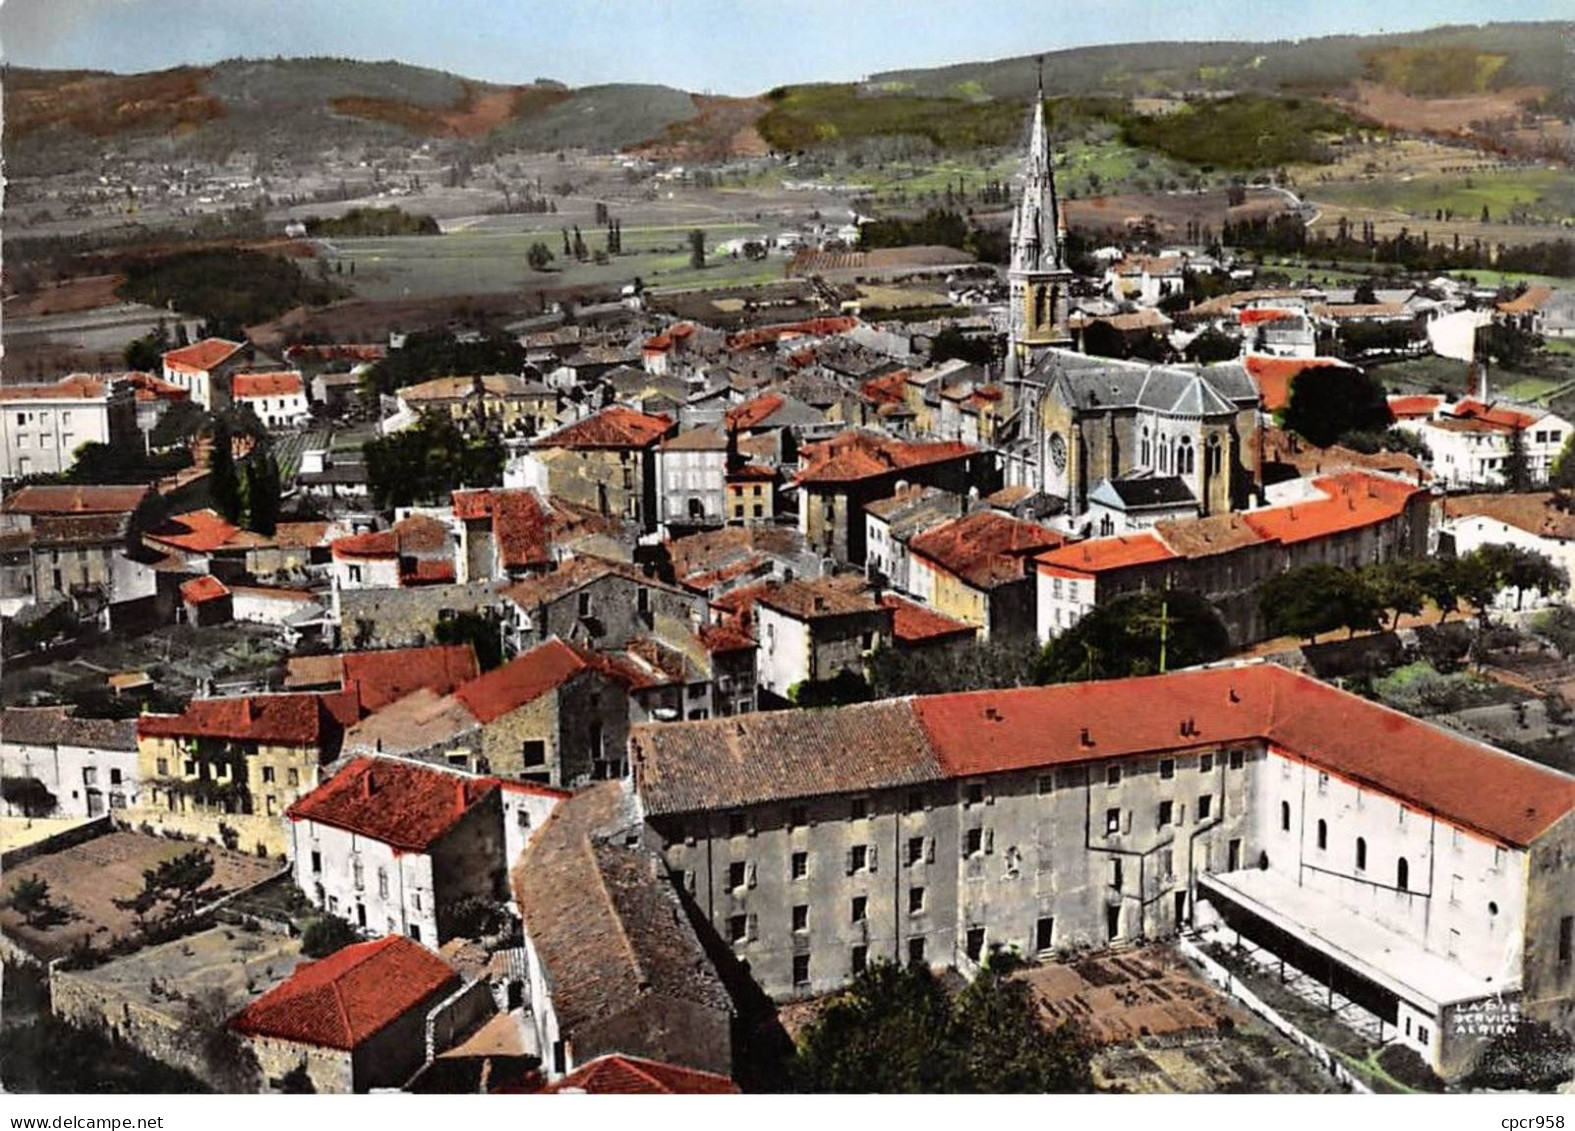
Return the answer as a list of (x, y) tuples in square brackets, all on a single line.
[(1085, 739), (992, 713), (459, 793), (246, 711), (368, 786)]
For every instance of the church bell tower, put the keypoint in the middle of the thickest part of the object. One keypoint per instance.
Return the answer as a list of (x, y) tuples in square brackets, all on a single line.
[(1039, 277)]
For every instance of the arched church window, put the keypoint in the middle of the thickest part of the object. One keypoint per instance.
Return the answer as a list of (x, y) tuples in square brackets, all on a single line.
[(1039, 307), (1147, 447), (1164, 456), (1186, 458), (1214, 459)]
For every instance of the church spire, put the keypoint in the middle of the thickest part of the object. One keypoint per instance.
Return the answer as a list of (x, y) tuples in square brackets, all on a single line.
[(1037, 226)]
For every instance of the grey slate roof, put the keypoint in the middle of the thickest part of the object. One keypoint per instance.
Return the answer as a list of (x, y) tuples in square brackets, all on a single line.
[(51, 726), (1091, 383), (1136, 494)]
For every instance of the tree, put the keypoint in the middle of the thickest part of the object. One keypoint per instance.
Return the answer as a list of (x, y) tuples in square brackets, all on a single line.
[(1514, 567), (1365, 294), (1508, 345), (1326, 403), (697, 249), (1517, 464), (29, 795), (261, 491), (1557, 627), (179, 424), (953, 343), (896, 1030), (224, 484), (1562, 476), (1136, 634), (539, 256), (1212, 345), (180, 882), (31, 899), (427, 461), (1533, 1056), (1397, 586), (1316, 599), (974, 666), (326, 934)]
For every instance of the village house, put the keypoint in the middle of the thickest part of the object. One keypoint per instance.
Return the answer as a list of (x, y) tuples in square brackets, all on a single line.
[(1540, 522), (55, 764), (417, 550), (206, 600), (814, 631), (978, 569), (840, 476), (936, 829), (1472, 441), (498, 402), (1146, 278), (74, 544), (353, 1021), (278, 399), (1349, 518), (750, 494), (598, 602), (607, 462), (226, 770), (396, 847), (511, 534), (204, 369), (614, 964), (42, 426), (692, 470), (889, 524)]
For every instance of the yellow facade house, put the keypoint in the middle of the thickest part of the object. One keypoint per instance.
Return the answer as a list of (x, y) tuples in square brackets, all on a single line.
[(225, 770)]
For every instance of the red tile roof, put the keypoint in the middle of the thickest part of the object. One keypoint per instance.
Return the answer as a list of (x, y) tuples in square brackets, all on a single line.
[(914, 624), (1100, 554), (75, 499), (1498, 416), (379, 678), (291, 719), (703, 765), (616, 1074), (524, 525), (418, 535), (668, 338), (1354, 499), (266, 385), (985, 548), (890, 389), (615, 427), (1273, 376), (405, 806), (719, 638), (522, 680), (75, 387), (1402, 408), (147, 387), (752, 413), (350, 996), (200, 532), (204, 588), (1253, 315), (427, 572), (199, 357), (809, 328), (852, 456)]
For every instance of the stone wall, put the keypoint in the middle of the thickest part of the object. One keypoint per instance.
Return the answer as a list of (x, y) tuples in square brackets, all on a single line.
[(404, 618)]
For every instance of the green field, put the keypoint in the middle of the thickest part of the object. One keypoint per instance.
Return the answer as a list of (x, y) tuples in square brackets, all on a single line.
[(479, 261), (1540, 195)]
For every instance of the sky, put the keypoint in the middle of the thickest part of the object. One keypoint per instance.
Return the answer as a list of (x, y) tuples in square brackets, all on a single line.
[(720, 46)]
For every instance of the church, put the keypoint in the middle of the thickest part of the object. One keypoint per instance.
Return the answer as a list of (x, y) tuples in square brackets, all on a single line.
[(1077, 426)]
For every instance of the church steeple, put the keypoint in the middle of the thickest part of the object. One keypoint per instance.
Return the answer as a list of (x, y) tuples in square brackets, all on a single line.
[(1038, 272)]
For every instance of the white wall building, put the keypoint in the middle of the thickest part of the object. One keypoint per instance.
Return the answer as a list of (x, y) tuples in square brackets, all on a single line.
[(278, 399), (88, 765), (691, 469), (42, 426)]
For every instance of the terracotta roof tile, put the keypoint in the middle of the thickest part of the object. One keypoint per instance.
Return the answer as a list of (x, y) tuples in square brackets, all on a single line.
[(293, 719), (76, 386), (75, 499), (985, 548), (522, 680), (349, 997), (753, 413), (616, 1074), (405, 806), (201, 589), (202, 356), (1098, 555), (822, 597), (199, 532), (729, 763), (1353, 499), (913, 623), (1273, 376), (379, 678), (287, 384), (856, 455), (1543, 513), (615, 427), (1414, 406), (418, 535)]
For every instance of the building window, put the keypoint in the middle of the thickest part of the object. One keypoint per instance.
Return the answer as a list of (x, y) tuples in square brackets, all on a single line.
[(1403, 874), (382, 883), (1205, 806), (861, 907), (267, 774), (584, 605), (1112, 821), (356, 876), (799, 867), (1285, 816), (801, 969), (858, 858), (1566, 939), (798, 816), (1167, 813), (800, 918), (915, 850), (915, 900), (914, 802), (533, 752), (973, 842), (861, 959), (114, 776), (1236, 759), (1112, 775), (1323, 835), (1361, 854), (736, 825), (737, 928), (163, 767), (916, 951), (317, 863), (1167, 768), (1206, 764), (974, 943), (858, 809), (736, 874), (976, 793)]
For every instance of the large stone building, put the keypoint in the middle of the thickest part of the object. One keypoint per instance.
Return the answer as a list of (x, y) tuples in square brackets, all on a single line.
[(75, 544), (42, 426), (1422, 871), (607, 462)]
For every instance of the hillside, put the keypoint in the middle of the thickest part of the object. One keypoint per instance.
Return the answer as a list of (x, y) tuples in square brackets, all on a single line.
[(1447, 80)]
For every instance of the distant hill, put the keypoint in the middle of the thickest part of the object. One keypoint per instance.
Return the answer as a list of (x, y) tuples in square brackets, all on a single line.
[(292, 108)]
